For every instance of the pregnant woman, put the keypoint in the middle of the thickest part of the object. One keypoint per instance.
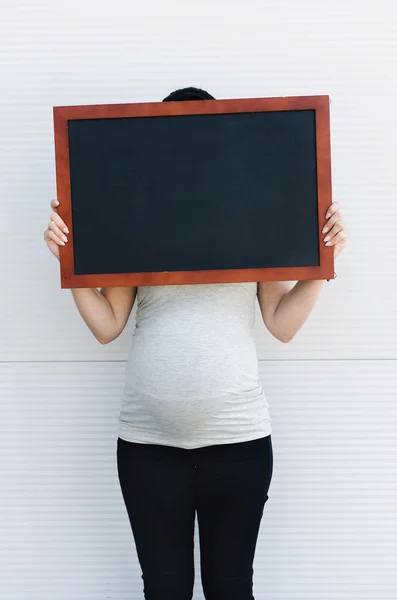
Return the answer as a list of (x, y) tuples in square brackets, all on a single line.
[(194, 426)]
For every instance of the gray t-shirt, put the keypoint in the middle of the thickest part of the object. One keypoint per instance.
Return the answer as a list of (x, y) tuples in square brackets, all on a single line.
[(191, 377)]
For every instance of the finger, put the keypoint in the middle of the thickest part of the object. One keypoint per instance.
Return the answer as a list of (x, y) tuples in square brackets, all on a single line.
[(340, 237), (52, 226), (57, 219), (54, 203), (336, 234), (331, 221), (332, 209), (338, 226), (50, 235)]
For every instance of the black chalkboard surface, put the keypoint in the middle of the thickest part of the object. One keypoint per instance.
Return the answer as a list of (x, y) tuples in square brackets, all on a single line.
[(219, 196)]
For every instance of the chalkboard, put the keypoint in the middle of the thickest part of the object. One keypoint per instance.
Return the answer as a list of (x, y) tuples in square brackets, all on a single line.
[(194, 191)]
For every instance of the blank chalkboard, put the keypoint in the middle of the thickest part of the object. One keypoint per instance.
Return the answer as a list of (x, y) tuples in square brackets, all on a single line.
[(219, 196)]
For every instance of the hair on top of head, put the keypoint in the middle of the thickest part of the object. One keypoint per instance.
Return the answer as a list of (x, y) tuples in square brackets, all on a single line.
[(188, 93)]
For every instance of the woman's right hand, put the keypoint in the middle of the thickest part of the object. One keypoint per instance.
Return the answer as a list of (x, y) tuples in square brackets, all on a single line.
[(54, 235)]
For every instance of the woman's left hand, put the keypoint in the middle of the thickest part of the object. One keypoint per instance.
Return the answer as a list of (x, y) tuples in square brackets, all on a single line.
[(335, 229)]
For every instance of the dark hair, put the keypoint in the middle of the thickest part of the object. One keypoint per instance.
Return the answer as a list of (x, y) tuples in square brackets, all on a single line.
[(188, 93)]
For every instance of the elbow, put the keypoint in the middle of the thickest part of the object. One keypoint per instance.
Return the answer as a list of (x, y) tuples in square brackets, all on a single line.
[(105, 340), (112, 335), (282, 335), (285, 337)]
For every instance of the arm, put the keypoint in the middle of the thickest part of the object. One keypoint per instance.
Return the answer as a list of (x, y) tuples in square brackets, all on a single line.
[(105, 311), (285, 307)]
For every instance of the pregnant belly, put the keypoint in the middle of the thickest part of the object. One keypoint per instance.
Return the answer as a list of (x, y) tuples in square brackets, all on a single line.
[(187, 385)]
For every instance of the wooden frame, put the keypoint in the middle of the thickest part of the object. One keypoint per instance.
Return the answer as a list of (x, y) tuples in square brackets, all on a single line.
[(61, 114)]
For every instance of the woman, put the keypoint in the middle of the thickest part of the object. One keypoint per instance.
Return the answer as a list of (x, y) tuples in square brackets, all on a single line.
[(194, 426)]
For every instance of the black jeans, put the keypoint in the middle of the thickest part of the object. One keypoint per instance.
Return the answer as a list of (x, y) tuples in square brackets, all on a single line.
[(164, 486)]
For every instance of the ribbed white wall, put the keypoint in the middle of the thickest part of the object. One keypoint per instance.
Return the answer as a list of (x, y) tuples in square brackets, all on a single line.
[(329, 528)]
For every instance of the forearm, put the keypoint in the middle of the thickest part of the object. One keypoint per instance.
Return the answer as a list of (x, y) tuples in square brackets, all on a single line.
[(295, 307), (96, 312)]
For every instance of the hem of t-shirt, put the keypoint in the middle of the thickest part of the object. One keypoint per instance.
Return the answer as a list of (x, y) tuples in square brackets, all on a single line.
[(140, 437)]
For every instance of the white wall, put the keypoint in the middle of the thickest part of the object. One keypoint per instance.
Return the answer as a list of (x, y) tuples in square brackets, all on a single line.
[(329, 528)]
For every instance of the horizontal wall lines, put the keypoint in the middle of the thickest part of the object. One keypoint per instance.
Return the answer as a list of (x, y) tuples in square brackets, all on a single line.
[(261, 360)]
